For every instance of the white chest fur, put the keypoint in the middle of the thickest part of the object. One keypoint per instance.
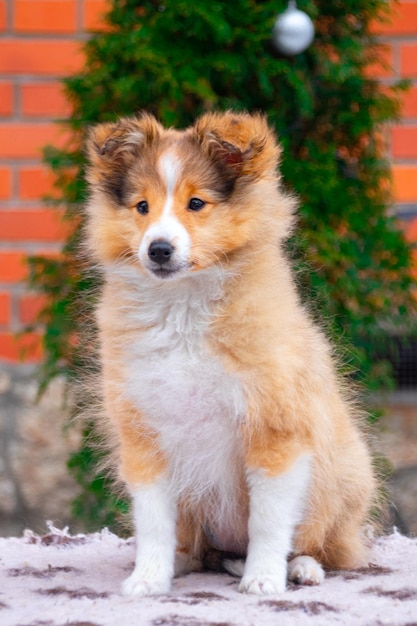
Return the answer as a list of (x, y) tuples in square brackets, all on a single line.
[(184, 392)]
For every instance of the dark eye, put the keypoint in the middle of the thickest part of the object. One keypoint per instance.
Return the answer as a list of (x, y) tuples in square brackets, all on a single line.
[(142, 207), (195, 204)]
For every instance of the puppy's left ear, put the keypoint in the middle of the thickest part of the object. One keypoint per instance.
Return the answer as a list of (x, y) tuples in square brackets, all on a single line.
[(239, 143)]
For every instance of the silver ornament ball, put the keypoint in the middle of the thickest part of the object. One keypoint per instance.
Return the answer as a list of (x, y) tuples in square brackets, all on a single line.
[(293, 31)]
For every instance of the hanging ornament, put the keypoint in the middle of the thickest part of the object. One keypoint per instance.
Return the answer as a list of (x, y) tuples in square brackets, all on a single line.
[(293, 31)]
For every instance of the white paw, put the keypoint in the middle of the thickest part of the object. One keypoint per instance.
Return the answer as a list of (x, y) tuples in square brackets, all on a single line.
[(138, 586), (305, 570), (262, 585)]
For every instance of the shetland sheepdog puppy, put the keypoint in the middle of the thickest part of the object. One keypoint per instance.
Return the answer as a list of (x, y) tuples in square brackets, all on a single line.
[(231, 428)]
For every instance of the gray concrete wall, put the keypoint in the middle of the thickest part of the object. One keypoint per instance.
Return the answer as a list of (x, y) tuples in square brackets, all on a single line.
[(35, 443)]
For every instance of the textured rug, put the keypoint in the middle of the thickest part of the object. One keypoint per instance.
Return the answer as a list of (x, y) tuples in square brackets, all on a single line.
[(58, 579)]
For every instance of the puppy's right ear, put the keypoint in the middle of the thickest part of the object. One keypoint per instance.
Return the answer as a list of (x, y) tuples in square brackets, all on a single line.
[(112, 146)]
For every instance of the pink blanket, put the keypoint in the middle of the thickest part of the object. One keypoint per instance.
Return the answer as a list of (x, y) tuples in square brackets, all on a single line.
[(59, 579)]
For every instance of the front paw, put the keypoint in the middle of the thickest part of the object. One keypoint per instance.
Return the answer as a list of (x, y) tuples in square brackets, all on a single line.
[(137, 585), (262, 585)]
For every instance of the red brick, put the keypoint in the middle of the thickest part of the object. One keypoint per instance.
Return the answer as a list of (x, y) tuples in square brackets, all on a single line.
[(6, 99), (402, 21), (404, 142), (5, 183), (411, 230), (27, 140), (32, 225), (35, 182), (13, 266), (408, 60), (4, 309), (2, 14), (50, 57), (94, 11), (405, 183), (44, 16), (44, 100), (30, 305), (27, 347), (409, 108)]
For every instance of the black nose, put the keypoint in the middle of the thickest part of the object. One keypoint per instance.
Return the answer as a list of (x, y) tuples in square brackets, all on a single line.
[(160, 252)]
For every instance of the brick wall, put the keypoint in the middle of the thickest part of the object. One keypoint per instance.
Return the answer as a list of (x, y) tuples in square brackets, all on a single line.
[(39, 44), (400, 37)]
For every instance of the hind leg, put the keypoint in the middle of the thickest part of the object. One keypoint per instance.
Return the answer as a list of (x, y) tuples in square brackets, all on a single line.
[(342, 547), (345, 548), (190, 544), (304, 570)]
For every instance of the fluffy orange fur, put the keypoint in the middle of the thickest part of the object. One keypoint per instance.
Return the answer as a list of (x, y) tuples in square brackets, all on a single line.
[(260, 332)]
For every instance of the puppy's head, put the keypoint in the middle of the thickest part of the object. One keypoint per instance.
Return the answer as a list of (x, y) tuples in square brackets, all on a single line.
[(175, 202)]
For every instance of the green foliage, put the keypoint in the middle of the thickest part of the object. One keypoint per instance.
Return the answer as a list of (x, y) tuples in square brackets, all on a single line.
[(181, 58), (97, 505)]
